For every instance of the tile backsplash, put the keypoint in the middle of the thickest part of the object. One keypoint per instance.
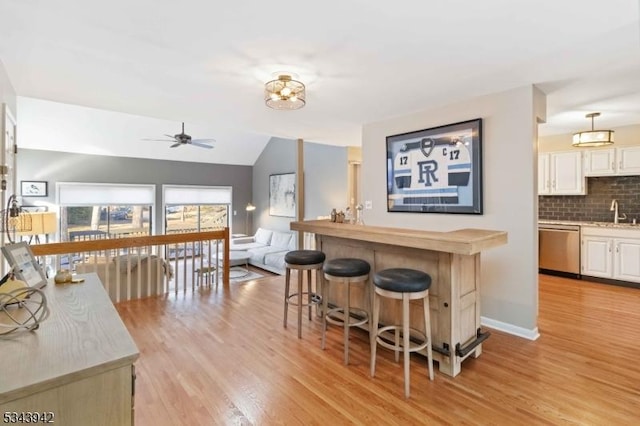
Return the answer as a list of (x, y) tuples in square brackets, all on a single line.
[(595, 205)]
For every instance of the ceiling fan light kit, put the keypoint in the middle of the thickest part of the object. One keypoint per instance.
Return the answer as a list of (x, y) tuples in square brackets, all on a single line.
[(590, 138), (285, 93)]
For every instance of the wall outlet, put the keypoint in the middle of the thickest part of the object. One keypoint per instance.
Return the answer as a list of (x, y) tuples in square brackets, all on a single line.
[(368, 205), (235, 212)]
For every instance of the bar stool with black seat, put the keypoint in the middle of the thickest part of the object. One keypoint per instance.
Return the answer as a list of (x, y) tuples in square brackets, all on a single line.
[(302, 260), (346, 271), (402, 284)]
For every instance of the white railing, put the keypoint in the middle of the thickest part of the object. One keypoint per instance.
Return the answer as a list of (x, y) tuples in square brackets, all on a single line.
[(136, 267)]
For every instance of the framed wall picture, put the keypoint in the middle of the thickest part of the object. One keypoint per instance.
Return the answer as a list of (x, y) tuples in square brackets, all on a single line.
[(33, 188), (24, 265), (282, 195), (437, 170)]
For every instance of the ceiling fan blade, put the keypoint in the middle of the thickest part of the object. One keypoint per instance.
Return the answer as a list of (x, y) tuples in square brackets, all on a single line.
[(203, 140), (201, 145), (170, 136), (160, 140), (176, 145)]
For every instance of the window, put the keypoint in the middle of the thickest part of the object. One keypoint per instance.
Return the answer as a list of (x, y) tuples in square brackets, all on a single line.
[(95, 211), (196, 208)]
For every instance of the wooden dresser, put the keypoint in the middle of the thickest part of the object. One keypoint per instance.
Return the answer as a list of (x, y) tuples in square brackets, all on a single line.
[(77, 368)]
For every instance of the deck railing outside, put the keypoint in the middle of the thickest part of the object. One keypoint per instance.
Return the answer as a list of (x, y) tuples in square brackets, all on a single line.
[(136, 267)]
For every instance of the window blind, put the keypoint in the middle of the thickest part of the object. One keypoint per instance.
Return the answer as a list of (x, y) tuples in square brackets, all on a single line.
[(100, 194), (196, 195)]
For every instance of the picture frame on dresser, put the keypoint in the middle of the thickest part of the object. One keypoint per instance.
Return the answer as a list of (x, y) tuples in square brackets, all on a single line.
[(436, 170), (24, 265)]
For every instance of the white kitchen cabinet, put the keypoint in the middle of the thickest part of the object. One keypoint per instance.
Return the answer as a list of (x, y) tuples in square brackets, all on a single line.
[(597, 257), (544, 175), (628, 160), (561, 173), (611, 253), (627, 260), (600, 162), (624, 161)]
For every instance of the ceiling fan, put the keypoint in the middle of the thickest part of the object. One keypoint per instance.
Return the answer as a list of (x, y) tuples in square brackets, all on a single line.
[(184, 139)]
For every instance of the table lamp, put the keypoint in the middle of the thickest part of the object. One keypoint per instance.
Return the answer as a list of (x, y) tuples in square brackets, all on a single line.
[(42, 223)]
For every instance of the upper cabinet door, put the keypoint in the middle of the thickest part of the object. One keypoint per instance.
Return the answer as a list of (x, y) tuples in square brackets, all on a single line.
[(544, 175), (600, 162), (629, 160), (567, 177)]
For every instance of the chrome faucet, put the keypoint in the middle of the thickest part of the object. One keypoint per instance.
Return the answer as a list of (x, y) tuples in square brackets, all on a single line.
[(614, 208)]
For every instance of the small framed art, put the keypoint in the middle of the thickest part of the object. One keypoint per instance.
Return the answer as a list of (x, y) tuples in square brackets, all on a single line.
[(33, 188)]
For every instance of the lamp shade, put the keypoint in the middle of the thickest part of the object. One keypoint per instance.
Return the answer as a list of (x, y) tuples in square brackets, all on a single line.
[(590, 138), (42, 223), (250, 207)]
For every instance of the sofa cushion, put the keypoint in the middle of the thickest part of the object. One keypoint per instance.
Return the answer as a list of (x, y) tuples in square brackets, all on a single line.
[(258, 254), (275, 260), (293, 243), (281, 239), (246, 246), (263, 236)]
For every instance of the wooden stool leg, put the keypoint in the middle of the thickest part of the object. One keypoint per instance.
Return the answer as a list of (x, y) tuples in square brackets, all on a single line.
[(300, 276), (347, 319), (319, 290), (309, 291), (325, 303), (287, 281), (427, 328), (373, 336), (405, 341), (396, 335)]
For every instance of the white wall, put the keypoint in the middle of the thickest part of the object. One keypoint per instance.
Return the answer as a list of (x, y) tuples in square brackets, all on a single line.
[(7, 92), (55, 126), (509, 291)]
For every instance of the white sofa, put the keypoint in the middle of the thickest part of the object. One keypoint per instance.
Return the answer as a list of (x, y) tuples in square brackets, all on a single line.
[(267, 248)]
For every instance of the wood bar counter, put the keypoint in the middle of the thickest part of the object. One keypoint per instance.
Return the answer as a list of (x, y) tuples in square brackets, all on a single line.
[(451, 258), (77, 367)]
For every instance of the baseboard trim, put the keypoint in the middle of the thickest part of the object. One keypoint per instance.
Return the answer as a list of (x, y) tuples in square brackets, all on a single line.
[(510, 328)]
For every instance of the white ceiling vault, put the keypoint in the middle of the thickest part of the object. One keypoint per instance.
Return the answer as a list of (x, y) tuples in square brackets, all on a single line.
[(206, 62)]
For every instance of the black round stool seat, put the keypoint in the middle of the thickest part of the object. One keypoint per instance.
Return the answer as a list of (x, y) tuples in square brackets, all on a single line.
[(346, 267), (304, 257), (402, 280)]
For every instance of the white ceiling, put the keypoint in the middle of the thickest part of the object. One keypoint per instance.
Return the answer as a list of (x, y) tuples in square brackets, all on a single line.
[(205, 62)]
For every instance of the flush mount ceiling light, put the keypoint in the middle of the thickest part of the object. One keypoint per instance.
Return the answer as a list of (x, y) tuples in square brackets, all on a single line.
[(593, 137), (284, 93)]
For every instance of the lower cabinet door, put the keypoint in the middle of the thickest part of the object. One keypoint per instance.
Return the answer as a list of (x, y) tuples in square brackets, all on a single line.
[(597, 256), (627, 260)]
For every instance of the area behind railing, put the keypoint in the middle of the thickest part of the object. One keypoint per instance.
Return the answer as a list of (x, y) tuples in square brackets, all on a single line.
[(137, 267)]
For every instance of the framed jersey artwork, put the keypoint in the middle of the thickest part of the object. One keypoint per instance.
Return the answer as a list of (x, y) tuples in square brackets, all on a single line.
[(437, 170)]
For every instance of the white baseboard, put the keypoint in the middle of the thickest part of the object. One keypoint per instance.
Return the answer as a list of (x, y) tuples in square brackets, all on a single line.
[(510, 328)]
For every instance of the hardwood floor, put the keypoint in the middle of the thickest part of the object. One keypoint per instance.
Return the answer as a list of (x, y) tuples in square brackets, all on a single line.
[(223, 357)]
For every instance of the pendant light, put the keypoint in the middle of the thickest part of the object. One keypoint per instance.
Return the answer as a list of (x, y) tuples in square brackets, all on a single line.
[(590, 138)]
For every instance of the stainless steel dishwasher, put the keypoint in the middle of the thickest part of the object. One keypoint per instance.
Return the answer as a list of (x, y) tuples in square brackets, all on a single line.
[(559, 248)]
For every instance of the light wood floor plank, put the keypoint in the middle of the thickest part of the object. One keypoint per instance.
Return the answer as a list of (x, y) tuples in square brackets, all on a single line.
[(223, 357)]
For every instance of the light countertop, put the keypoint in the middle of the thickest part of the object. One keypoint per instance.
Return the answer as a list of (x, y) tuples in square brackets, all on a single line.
[(588, 223)]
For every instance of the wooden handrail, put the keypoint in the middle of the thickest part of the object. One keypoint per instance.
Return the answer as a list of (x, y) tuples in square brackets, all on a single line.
[(152, 240)]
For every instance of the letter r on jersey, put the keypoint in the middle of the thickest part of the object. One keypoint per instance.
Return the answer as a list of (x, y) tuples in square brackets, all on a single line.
[(427, 172)]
